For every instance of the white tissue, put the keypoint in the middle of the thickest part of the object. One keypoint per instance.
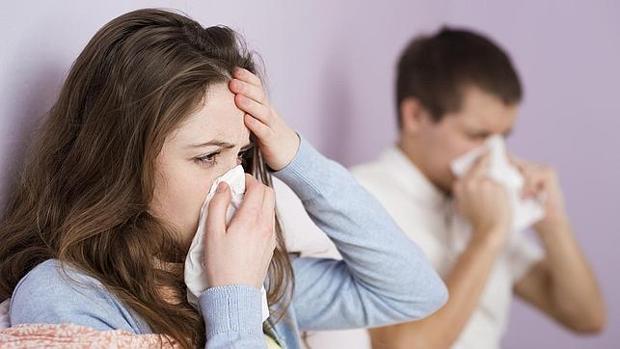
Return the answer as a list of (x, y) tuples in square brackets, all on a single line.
[(195, 271), (525, 212)]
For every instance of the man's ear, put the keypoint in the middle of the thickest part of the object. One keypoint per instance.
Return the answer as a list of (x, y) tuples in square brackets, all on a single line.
[(412, 115)]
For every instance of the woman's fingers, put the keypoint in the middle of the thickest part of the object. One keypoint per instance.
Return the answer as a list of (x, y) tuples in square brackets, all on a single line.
[(261, 130), (269, 206), (259, 111), (251, 91), (250, 96), (216, 218), (241, 256), (252, 203), (247, 76), (278, 142)]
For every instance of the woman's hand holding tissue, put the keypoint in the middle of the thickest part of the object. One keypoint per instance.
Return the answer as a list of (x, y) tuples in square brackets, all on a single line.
[(542, 182), (276, 140), (484, 203), (240, 253)]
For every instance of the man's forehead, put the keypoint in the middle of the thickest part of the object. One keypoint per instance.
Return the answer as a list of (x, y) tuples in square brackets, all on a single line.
[(481, 123)]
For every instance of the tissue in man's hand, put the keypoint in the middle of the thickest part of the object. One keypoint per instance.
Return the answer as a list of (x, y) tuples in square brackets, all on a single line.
[(195, 271), (525, 212)]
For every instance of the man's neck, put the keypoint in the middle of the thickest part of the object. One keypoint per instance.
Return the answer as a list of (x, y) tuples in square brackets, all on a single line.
[(417, 159)]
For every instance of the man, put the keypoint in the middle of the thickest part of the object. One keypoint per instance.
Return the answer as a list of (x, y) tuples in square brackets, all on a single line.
[(455, 89)]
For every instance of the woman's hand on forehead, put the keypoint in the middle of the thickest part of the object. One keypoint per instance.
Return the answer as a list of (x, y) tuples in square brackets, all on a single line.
[(276, 140)]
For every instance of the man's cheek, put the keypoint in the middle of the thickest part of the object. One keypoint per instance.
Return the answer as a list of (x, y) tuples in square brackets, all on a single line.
[(463, 147)]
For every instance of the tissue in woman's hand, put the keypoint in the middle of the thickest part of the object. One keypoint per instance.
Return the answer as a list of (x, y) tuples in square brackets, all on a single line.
[(525, 212), (195, 271)]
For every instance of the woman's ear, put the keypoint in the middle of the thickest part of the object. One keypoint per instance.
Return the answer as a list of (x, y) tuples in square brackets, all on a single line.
[(412, 115)]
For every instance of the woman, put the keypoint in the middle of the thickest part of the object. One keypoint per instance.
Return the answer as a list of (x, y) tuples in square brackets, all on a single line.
[(154, 109)]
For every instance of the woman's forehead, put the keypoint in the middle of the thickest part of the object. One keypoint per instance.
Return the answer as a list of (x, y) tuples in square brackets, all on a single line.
[(217, 118)]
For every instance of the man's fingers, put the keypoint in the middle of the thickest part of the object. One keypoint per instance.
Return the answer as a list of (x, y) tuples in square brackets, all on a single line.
[(480, 168)]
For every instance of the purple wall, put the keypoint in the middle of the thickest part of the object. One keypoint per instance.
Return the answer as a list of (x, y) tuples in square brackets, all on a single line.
[(330, 71)]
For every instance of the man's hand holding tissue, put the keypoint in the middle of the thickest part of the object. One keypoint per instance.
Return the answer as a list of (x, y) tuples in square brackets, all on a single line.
[(484, 204), (562, 284), (276, 140), (240, 253), (542, 181)]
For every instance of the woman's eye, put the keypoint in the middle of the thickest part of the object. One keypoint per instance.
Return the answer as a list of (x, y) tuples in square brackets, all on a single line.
[(212, 159), (209, 159)]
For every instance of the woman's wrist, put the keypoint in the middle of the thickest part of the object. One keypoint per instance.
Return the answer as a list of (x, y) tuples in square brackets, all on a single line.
[(231, 308), (290, 148)]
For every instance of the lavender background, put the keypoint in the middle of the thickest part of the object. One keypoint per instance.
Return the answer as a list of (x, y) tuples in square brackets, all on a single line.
[(330, 70)]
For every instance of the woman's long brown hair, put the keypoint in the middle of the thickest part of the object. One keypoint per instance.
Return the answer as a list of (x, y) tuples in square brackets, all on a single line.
[(82, 196)]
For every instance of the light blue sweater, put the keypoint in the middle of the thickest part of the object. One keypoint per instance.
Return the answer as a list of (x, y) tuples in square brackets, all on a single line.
[(383, 278)]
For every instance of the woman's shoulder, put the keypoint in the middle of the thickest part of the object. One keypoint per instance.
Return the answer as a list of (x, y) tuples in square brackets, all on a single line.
[(52, 275), (55, 293)]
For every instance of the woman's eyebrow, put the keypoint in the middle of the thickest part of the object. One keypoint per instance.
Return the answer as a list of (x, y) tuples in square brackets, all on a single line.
[(220, 144)]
